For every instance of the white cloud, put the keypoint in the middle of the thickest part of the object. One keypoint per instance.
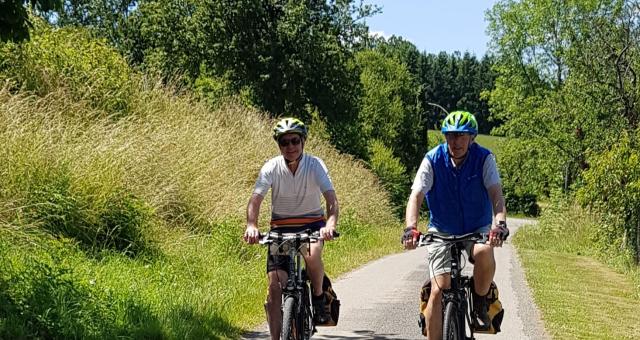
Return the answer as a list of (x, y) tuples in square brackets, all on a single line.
[(386, 36), (379, 34)]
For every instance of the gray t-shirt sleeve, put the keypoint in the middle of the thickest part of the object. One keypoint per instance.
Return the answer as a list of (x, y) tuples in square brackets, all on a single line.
[(265, 179), (490, 174), (424, 177), (321, 174)]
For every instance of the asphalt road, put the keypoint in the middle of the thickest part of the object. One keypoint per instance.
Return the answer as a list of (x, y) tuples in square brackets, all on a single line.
[(381, 299)]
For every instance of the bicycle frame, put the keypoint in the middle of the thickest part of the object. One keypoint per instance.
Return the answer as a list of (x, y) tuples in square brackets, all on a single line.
[(299, 324), (459, 294)]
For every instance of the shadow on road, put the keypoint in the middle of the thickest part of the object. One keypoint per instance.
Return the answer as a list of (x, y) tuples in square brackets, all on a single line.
[(358, 334)]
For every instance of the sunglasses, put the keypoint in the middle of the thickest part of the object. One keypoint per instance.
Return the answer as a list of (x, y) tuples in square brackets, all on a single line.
[(285, 142), (457, 134)]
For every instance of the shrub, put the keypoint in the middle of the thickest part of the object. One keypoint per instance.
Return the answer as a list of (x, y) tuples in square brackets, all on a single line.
[(391, 173), (71, 60), (41, 297), (612, 187), (99, 217), (525, 203), (102, 220)]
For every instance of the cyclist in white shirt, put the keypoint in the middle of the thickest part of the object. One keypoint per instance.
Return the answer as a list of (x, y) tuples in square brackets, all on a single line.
[(297, 180)]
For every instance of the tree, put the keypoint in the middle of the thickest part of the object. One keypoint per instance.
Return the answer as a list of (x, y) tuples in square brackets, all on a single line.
[(389, 107), (292, 56), (14, 17), (568, 91), (287, 57), (539, 84), (456, 82)]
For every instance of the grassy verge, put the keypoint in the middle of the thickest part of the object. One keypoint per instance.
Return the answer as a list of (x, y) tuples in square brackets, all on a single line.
[(201, 287), (122, 204), (580, 296), (131, 228)]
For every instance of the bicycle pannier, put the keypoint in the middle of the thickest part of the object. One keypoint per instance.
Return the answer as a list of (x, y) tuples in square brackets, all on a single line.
[(496, 312), (424, 298), (332, 304)]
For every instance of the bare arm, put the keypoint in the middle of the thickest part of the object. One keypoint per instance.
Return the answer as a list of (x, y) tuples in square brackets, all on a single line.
[(332, 214), (499, 212), (413, 208), (497, 202), (251, 234), (412, 215)]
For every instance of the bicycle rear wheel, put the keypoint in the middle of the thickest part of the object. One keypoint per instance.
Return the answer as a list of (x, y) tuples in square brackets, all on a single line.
[(289, 324), (451, 323)]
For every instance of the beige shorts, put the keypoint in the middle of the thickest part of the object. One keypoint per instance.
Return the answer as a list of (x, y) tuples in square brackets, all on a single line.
[(439, 254)]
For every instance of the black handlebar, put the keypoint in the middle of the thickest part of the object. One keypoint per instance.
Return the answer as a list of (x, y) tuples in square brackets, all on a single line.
[(430, 237), (272, 236)]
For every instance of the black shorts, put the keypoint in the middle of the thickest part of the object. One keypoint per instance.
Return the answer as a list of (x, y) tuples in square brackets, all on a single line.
[(282, 261)]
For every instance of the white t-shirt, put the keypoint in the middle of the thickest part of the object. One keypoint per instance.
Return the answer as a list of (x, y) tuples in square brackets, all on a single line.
[(424, 176), (294, 195)]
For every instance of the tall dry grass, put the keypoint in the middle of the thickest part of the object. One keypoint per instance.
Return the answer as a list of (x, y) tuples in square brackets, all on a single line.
[(151, 206), (189, 163)]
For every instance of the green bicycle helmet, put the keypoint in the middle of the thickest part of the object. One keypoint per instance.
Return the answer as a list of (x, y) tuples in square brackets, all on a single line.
[(289, 125), (460, 121)]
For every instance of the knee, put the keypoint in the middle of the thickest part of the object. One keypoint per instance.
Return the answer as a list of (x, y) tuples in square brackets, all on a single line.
[(484, 257), (275, 293), (314, 260), (436, 295)]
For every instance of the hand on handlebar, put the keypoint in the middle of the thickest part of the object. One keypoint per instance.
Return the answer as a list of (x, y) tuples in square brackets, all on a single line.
[(328, 233), (498, 234), (251, 235), (410, 238)]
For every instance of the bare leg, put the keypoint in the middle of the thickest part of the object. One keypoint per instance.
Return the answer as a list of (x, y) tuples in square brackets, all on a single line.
[(315, 267), (434, 306), (277, 280), (484, 268)]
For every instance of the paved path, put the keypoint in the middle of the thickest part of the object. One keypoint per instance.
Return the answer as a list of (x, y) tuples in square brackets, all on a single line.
[(380, 300)]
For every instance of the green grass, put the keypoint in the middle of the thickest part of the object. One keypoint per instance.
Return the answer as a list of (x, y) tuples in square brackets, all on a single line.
[(581, 298), (131, 228), (579, 295)]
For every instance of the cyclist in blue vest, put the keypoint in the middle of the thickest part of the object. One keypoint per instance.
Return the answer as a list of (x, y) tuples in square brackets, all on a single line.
[(462, 186)]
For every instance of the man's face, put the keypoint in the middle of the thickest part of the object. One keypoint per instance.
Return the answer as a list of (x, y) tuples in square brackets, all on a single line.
[(458, 143), (291, 146)]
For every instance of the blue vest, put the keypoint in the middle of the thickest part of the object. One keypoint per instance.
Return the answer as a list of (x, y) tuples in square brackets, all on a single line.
[(458, 201)]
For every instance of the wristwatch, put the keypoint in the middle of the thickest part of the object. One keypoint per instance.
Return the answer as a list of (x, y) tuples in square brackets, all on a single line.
[(502, 224)]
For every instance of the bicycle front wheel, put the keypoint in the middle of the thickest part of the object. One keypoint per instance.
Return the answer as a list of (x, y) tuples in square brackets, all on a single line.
[(289, 331), (451, 323)]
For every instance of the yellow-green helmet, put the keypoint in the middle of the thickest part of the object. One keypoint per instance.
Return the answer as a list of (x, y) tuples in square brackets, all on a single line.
[(460, 121), (289, 125)]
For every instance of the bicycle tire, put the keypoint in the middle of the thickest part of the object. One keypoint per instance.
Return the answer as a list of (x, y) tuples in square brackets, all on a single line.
[(451, 322), (306, 318), (289, 319)]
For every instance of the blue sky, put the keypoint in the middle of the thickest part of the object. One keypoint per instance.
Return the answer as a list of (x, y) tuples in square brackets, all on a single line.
[(434, 25)]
